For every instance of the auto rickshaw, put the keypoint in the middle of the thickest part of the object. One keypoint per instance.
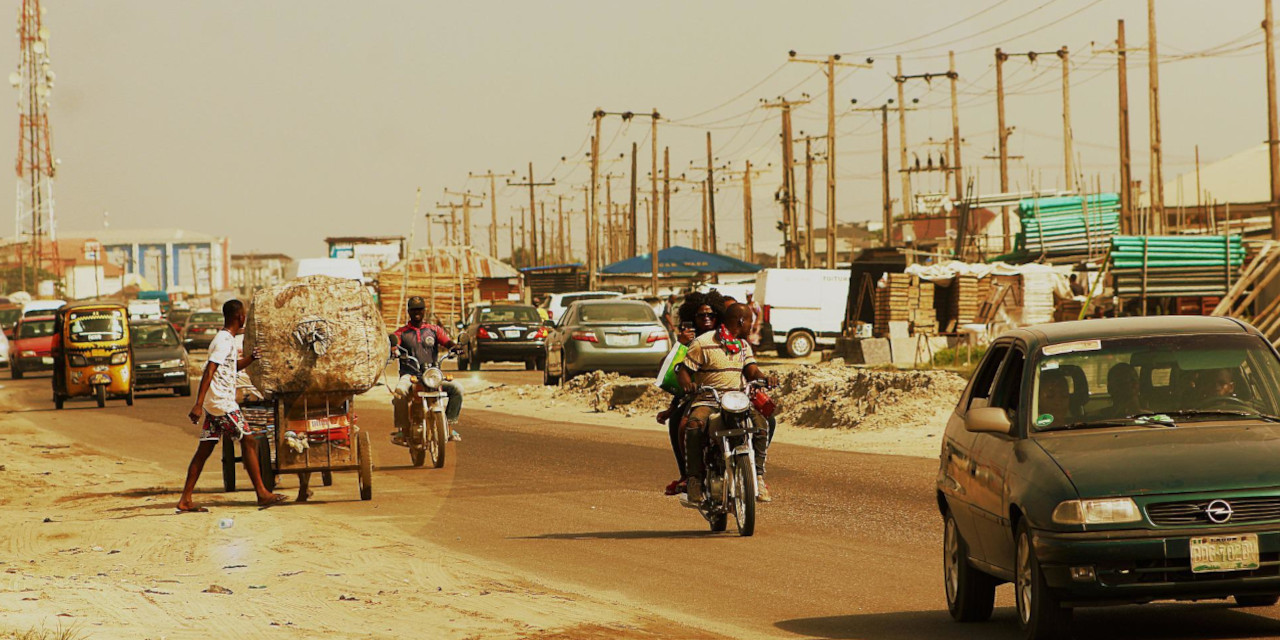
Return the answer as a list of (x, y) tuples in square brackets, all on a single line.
[(92, 352)]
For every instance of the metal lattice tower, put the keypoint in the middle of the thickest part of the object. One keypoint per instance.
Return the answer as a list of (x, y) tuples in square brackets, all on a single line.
[(35, 167)]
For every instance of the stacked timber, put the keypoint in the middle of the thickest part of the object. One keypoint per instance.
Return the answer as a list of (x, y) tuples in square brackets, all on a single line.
[(967, 295), (1245, 300), (446, 294), (1068, 226), (1169, 266), (908, 299)]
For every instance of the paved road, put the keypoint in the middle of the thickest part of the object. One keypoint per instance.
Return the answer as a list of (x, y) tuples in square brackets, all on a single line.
[(849, 549)]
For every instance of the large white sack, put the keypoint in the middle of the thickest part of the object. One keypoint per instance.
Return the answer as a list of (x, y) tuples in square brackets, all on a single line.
[(317, 334)]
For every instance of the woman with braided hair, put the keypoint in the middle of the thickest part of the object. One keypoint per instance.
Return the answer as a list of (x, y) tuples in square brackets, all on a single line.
[(699, 313)]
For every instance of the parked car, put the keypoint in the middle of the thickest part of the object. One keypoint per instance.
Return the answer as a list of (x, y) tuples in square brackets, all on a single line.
[(803, 309), (32, 350), (502, 333), (1114, 461), (178, 318), (9, 315), (623, 336), (159, 361), (200, 329), (555, 304)]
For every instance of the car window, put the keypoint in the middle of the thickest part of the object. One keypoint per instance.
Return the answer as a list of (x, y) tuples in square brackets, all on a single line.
[(509, 314), (206, 317), (622, 312), (579, 297), (980, 388), (36, 329), (154, 336), (10, 316), (1007, 394), (96, 325)]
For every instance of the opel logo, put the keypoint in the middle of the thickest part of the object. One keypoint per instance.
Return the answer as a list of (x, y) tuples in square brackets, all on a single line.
[(1219, 511)]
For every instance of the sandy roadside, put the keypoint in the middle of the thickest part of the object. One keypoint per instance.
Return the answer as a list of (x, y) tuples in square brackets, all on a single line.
[(92, 544)]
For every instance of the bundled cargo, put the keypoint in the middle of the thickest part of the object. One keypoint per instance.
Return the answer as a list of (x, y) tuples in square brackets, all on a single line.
[(1068, 226), (1171, 266), (317, 334)]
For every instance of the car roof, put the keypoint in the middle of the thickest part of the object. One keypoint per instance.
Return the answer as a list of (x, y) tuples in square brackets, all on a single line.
[(149, 322), (579, 293), (589, 303), (36, 318), (1138, 326), (87, 305)]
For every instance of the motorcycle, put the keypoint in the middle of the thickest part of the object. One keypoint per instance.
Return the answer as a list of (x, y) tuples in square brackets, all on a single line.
[(730, 463), (428, 429)]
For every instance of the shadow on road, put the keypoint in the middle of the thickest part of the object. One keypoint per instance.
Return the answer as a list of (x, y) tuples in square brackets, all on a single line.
[(1216, 621), (622, 535)]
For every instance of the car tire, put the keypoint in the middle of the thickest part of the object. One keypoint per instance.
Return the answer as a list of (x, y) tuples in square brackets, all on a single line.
[(799, 344), (15, 371), (971, 594), (540, 363), (565, 374), (1041, 615), (548, 379), (474, 362), (1256, 600), (530, 365), (184, 390)]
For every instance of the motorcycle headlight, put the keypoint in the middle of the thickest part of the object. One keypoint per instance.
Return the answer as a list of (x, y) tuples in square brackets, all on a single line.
[(1103, 511), (432, 379), (120, 357), (171, 364), (735, 402), (77, 360)]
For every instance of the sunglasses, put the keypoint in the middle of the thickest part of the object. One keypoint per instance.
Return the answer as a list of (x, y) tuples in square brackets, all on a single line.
[(705, 315)]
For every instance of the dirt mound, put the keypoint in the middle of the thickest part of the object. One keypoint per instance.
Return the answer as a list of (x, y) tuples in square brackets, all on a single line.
[(833, 396), (608, 391)]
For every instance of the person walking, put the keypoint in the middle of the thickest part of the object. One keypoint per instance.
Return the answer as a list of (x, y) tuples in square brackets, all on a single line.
[(216, 404)]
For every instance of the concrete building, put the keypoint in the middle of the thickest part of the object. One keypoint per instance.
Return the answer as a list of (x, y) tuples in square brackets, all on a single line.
[(175, 260), (375, 253), (253, 271)]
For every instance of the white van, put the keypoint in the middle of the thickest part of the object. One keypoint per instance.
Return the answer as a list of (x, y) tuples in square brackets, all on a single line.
[(803, 308)]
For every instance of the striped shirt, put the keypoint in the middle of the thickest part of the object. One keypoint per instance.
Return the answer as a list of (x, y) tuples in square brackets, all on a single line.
[(713, 366)]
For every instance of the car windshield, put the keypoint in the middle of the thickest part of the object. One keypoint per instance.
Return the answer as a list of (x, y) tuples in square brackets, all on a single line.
[(1154, 380), (10, 315), (154, 336), (619, 312), (206, 317), (509, 314), (36, 329), (579, 297), (92, 326)]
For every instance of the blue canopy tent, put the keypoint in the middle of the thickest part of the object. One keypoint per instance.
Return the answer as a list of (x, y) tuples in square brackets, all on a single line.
[(677, 260)]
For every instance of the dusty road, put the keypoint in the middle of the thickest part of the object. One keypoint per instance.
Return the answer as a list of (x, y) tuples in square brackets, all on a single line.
[(849, 549)]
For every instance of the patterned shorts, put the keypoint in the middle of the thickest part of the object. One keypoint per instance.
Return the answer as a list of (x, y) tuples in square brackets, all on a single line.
[(215, 427)]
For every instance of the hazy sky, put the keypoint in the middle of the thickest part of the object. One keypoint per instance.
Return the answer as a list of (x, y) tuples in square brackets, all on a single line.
[(281, 123)]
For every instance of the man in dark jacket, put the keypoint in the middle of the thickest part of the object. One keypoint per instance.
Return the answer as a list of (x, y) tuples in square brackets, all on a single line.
[(422, 340)]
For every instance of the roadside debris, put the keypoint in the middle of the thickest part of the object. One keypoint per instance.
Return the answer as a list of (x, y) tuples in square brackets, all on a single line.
[(213, 588)]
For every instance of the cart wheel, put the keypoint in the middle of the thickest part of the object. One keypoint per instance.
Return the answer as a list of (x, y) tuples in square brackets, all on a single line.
[(326, 478), (128, 400), (228, 465), (366, 467), (265, 465), (100, 393)]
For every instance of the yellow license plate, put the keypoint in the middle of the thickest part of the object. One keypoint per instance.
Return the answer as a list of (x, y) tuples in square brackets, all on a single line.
[(1224, 553)]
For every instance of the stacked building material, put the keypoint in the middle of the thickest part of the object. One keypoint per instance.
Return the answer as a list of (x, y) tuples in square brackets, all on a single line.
[(1068, 226), (1167, 266), (905, 298), (967, 295)]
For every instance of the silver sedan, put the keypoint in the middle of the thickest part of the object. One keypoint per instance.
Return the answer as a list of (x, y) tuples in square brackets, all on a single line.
[(621, 336)]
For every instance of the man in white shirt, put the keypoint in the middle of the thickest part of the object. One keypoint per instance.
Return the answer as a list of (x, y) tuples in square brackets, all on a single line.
[(216, 403)]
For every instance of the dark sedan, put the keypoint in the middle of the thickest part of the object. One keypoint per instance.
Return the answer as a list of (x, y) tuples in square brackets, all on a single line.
[(159, 361), (1114, 461), (501, 333), (200, 329), (620, 336)]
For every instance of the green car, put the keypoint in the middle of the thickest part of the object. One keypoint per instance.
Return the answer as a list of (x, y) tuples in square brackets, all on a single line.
[(1114, 461)]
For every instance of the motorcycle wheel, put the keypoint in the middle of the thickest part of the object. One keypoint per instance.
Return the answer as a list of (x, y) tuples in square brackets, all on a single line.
[(719, 522), (437, 436), (744, 498), (418, 450), (100, 394)]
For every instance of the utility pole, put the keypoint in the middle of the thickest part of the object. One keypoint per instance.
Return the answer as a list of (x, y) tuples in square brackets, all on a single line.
[(453, 217), (1002, 135), (666, 197), (887, 203), (532, 206), (1126, 176), (830, 64), (466, 211), (493, 205), (632, 228), (810, 253), (711, 200), (902, 139), (953, 169), (748, 224), (789, 240), (1157, 178), (563, 256), (593, 226), (1067, 165), (653, 198), (1273, 136), (956, 170)]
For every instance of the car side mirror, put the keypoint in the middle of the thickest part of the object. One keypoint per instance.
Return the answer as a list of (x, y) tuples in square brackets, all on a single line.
[(549, 323), (988, 420)]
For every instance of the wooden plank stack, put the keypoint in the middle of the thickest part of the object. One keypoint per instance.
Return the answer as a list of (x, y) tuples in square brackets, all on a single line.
[(967, 295), (447, 295), (905, 298)]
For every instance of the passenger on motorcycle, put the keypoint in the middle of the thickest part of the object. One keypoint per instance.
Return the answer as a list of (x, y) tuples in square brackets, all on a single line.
[(699, 313), (421, 340), (724, 361)]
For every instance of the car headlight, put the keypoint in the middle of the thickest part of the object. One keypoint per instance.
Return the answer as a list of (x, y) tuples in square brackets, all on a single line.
[(170, 364), (27, 353), (77, 360), (432, 379), (120, 357), (734, 401), (1100, 511)]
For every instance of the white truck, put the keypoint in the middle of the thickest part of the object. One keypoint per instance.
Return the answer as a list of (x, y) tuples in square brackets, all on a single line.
[(804, 309)]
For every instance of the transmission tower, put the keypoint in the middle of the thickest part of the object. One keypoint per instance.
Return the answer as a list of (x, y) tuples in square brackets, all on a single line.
[(35, 166)]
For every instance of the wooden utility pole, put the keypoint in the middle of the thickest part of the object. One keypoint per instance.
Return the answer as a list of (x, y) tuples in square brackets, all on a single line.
[(955, 128), (902, 140), (535, 260), (593, 225), (1067, 164), (1002, 135), (1157, 178), (493, 205), (653, 198), (748, 225), (563, 256), (886, 200), (1273, 135), (703, 246), (466, 211), (711, 200), (666, 197), (789, 224), (810, 253), (1126, 176), (632, 226), (546, 235)]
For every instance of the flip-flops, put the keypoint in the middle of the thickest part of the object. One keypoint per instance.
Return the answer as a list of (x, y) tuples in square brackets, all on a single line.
[(276, 499), (195, 510)]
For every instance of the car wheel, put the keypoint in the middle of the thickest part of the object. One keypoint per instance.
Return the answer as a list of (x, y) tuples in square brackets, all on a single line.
[(970, 593), (473, 361), (1040, 614), (565, 374), (799, 344), (15, 371), (530, 365), (1256, 600), (548, 379)]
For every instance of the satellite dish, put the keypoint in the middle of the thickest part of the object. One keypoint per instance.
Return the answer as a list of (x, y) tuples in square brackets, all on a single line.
[(15, 79)]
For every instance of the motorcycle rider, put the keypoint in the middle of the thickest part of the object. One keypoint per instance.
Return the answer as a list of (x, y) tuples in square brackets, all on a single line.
[(699, 313), (723, 361), (422, 340)]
